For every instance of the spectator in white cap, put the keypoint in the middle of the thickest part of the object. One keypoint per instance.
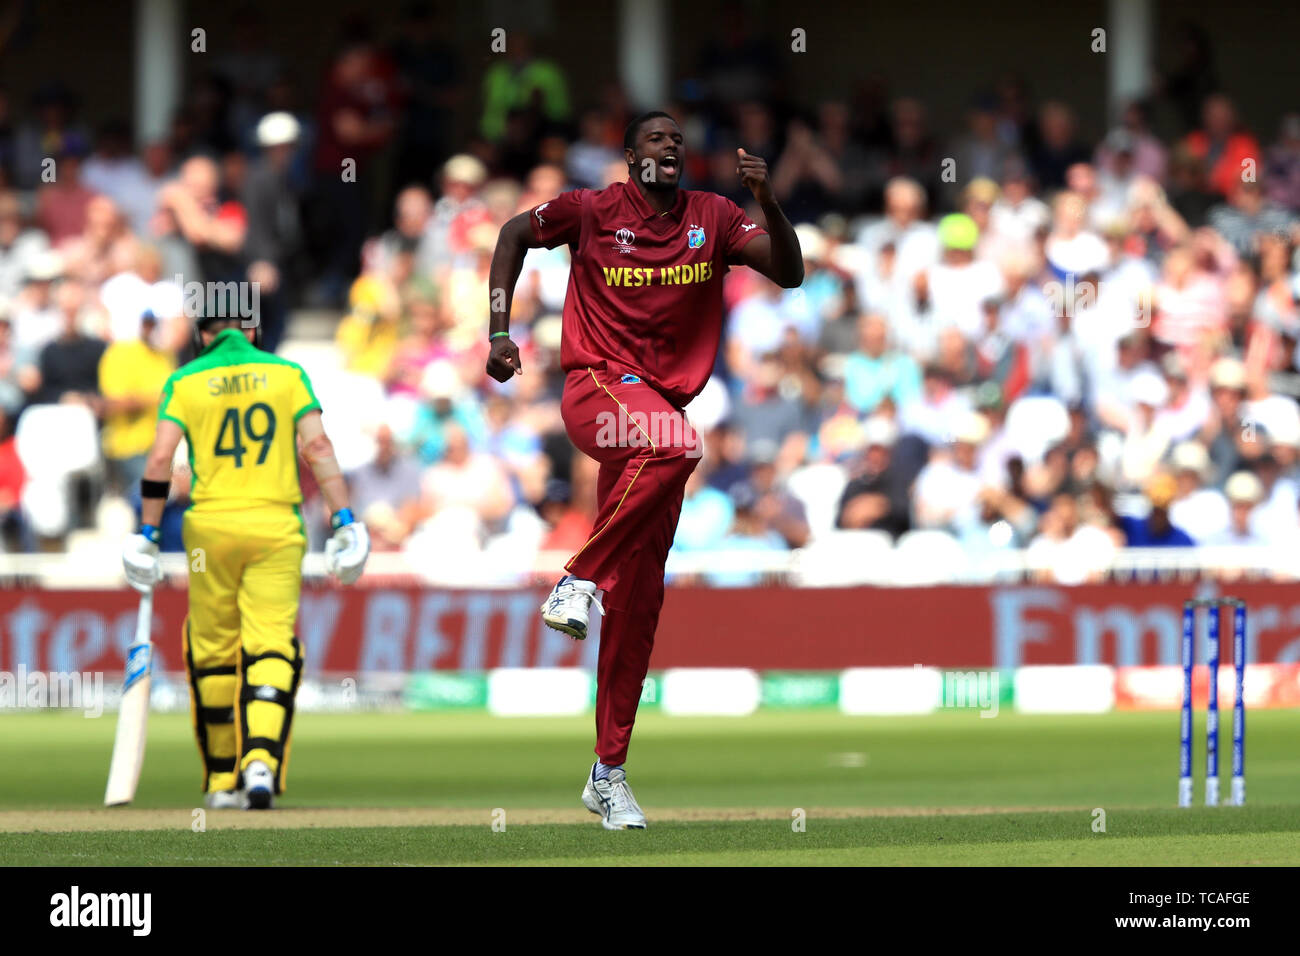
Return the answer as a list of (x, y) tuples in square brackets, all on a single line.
[(462, 179), (1226, 422), (35, 317), (274, 242), (1277, 414), (947, 491), (1199, 509), (1147, 439), (448, 402), (1244, 492)]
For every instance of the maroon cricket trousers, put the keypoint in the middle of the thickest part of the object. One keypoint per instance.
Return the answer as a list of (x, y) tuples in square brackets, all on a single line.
[(646, 450)]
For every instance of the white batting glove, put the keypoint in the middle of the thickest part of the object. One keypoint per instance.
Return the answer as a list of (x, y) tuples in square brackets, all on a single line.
[(140, 560), (347, 550)]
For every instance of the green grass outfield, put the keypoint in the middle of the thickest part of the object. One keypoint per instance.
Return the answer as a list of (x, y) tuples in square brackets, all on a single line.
[(945, 789)]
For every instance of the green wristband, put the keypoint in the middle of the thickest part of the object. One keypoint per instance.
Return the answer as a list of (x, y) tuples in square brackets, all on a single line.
[(497, 335)]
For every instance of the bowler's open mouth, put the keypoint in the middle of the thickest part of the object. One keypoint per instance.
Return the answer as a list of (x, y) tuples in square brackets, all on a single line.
[(668, 165)]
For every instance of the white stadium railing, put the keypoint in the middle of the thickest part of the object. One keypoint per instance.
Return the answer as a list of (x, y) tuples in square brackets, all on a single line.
[(848, 565)]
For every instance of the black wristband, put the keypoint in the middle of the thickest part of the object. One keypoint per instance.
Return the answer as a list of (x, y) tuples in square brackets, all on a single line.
[(154, 489)]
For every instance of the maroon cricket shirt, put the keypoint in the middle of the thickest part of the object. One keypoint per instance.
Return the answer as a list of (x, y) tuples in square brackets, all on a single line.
[(645, 290)]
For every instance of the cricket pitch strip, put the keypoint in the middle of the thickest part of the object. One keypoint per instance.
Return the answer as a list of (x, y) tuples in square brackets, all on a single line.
[(131, 818)]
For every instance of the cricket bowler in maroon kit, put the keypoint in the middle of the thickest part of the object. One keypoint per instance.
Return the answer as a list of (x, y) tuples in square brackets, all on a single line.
[(642, 326)]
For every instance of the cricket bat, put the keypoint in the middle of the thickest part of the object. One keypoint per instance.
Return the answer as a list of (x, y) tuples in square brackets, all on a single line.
[(133, 715)]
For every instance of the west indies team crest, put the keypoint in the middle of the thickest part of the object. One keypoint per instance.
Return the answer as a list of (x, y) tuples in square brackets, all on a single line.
[(695, 237)]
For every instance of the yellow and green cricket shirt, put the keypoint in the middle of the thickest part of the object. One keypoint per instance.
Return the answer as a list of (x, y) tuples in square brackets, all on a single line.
[(239, 407)]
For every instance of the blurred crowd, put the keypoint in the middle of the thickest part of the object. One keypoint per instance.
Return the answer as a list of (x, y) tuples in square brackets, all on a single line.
[(1010, 335)]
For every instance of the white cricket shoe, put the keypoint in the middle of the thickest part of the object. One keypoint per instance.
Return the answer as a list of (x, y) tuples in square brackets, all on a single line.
[(569, 606), (259, 783), (611, 799), (226, 800)]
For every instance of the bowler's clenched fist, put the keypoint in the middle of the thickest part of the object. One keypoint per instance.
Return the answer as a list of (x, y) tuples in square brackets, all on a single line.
[(753, 175), (503, 361)]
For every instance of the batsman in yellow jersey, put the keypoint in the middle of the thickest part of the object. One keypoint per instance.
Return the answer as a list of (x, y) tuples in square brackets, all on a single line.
[(246, 415)]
